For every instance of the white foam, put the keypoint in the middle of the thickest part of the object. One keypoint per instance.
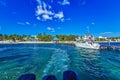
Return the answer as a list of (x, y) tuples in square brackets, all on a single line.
[(59, 62)]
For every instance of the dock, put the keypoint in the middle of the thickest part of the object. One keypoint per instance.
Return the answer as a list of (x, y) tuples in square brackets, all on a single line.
[(110, 47)]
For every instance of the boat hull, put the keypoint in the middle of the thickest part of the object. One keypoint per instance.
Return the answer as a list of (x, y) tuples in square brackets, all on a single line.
[(87, 45)]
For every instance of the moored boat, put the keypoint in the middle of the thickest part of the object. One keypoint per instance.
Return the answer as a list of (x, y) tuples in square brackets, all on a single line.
[(87, 41)]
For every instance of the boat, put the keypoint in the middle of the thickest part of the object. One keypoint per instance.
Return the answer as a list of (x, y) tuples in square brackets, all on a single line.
[(87, 41)]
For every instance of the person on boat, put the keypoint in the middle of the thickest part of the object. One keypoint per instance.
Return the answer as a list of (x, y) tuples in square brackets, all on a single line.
[(91, 38)]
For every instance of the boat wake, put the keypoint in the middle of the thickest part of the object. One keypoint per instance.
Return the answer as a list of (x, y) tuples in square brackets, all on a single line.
[(58, 63)]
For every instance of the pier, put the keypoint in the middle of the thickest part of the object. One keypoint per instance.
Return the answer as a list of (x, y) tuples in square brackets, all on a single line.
[(110, 47)]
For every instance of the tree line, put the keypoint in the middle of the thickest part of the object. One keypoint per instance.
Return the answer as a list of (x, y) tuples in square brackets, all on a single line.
[(46, 37), (38, 37), (108, 39)]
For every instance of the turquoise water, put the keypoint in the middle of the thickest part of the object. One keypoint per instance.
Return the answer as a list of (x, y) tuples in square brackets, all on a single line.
[(44, 59)]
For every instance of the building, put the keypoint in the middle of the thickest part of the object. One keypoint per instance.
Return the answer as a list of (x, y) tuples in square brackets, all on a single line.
[(56, 40), (102, 37)]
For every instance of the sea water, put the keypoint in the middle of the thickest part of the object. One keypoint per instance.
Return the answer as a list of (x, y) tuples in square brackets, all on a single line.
[(54, 59)]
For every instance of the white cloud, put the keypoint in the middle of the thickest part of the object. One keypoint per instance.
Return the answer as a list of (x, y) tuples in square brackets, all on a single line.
[(49, 7), (46, 17), (45, 12), (27, 23), (42, 8), (23, 23), (62, 19), (110, 34), (48, 28), (106, 33), (59, 15), (20, 23), (65, 2), (51, 29), (38, 18)]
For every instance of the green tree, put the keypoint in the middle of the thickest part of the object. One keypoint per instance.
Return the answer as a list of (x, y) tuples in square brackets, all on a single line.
[(39, 36), (1, 37), (47, 37)]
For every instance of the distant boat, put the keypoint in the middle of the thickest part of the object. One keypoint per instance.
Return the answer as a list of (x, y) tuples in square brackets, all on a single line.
[(87, 42)]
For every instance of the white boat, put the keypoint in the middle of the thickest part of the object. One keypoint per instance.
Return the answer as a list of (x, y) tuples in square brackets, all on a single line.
[(88, 45), (87, 42)]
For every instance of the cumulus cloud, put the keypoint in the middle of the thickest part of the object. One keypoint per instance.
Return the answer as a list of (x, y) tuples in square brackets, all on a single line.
[(59, 15), (42, 9), (51, 29), (46, 17), (45, 11)]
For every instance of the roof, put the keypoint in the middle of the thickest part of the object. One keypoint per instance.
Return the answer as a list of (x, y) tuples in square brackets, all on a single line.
[(55, 39)]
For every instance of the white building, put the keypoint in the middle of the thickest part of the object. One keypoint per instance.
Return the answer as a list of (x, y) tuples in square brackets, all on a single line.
[(102, 37)]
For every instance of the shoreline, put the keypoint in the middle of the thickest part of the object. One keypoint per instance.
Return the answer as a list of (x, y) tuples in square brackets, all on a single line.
[(47, 42), (36, 42), (24, 42)]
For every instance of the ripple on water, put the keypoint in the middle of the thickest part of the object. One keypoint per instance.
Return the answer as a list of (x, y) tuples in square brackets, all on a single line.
[(54, 59)]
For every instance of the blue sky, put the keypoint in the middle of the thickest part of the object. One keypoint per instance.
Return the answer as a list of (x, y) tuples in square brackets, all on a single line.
[(60, 17)]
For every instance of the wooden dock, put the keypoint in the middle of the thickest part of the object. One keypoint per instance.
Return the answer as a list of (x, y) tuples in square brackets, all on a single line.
[(110, 47)]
